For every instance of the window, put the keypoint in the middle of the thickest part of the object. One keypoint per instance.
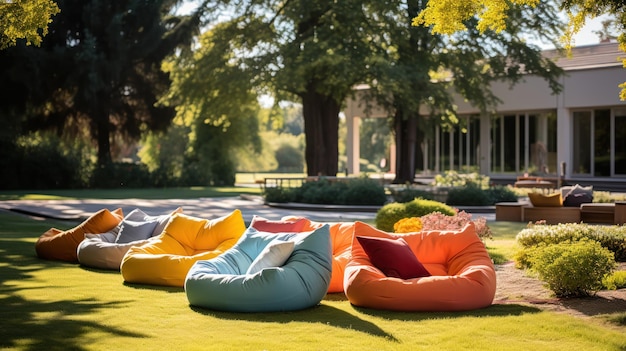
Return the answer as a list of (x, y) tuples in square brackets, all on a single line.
[(524, 143), (453, 148), (599, 142)]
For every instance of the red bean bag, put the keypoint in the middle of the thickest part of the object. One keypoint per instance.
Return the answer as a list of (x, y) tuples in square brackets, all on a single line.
[(459, 273)]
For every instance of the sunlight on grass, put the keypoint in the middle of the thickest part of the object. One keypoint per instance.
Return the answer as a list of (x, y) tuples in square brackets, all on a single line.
[(149, 193), (55, 305)]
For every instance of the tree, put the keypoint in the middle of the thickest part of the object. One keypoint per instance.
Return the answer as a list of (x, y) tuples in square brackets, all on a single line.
[(420, 70), (213, 95), (312, 52), (25, 19), (447, 17), (98, 71), (324, 48)]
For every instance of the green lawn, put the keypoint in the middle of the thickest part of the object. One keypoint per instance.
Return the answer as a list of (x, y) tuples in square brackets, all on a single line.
[(142, 193), (49, 305)]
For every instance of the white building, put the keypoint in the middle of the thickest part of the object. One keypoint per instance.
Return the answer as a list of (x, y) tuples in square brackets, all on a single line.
[(582, 129)]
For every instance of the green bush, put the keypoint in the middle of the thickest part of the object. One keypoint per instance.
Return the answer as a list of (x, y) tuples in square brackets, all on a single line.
[(469, 195), (501, 194), (278, 195), (389, 214), (361, 191), (320, 192), (473, 195), (572, 269), (407, 194), (612, 237), (364, 191), (289, 158), (455, 179), (615, 281), (121, 174)]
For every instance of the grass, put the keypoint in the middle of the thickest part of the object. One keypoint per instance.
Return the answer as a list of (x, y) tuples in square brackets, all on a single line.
[(246, 181), (59, 306), (503, 246), (142, 193)]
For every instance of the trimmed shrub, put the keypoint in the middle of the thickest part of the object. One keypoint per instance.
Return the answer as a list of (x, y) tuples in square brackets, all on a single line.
[(320, 192), (473, 195), (501, 194), (615, 281), (572, 269), (389, 214), (278, 195), (407, 194), (455, 179), (364, 191), (470, 195), (612, 237)]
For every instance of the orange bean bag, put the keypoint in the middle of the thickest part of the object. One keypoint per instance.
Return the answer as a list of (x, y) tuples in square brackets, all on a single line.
[(462, 275), (340, 237), (167, 258), (341, 241), (56, 244)]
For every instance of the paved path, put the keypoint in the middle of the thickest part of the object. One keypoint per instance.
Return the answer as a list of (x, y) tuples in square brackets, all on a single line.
[(202, 207), (76, 210)]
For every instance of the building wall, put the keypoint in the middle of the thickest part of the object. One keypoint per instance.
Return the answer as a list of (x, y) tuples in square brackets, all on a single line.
[(583, 88)]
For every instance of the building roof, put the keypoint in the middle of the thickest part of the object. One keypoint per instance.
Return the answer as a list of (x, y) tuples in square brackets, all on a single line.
[(589, 56)]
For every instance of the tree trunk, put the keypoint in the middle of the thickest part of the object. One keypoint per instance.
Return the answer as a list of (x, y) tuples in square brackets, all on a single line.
[(406, 143), (321, 128)]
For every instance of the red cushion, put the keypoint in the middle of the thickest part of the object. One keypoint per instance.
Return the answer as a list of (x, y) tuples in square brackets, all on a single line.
[(282, 226), (393, 257)]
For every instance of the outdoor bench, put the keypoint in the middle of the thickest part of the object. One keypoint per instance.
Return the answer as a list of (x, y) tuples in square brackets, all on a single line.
[(604, 213)]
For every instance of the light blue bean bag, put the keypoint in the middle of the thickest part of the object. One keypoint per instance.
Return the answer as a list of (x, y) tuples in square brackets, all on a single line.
[(264, 272)]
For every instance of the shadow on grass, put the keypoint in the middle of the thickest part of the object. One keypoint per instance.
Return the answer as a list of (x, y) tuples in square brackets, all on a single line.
[(169, 289), (338, 318), (35, 325), (322, 314), (38, 325), (496, 310)]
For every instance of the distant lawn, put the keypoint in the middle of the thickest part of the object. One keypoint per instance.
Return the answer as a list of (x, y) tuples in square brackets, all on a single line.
[(143, 193), (46, 305), (246, 184)]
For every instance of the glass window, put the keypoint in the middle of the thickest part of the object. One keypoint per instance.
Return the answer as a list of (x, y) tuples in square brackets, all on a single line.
[(602, 143), (620, 142), (581, 142)]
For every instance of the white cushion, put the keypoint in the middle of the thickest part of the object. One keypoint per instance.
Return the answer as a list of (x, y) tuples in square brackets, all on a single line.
[(275, 254)]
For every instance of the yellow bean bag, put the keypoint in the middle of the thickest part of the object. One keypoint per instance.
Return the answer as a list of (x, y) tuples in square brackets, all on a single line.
[(167, 258), (56, 244), (448, 271)]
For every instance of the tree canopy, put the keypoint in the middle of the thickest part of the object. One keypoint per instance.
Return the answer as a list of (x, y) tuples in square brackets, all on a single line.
[(25, 19), (98, 71), (449, 16), (419, 71)]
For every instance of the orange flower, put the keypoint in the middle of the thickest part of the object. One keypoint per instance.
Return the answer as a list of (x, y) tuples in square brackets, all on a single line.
[(408, 225)]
